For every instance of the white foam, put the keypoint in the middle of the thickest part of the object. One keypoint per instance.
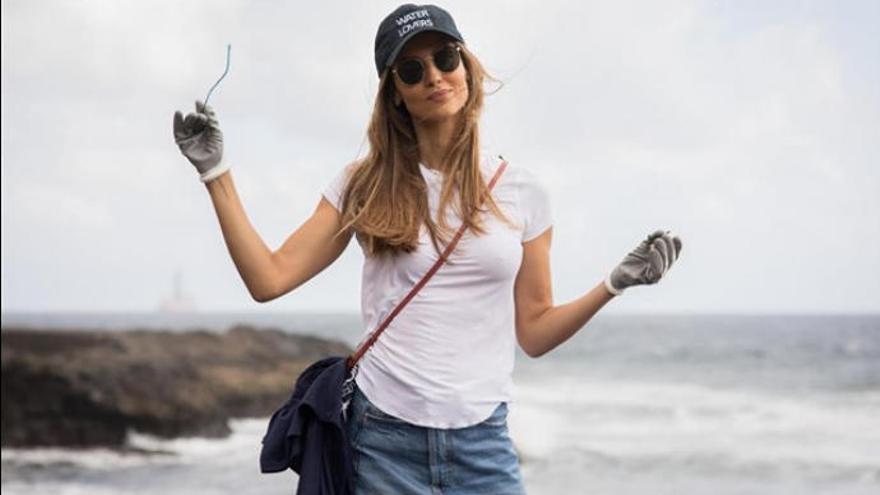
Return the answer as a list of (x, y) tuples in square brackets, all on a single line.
[(246, 435), (147, 449), (93, 459), (637, 419), (184, 466)]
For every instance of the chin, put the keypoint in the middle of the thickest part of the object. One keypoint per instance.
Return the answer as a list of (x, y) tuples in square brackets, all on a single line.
[(440, 114), (437, 117)]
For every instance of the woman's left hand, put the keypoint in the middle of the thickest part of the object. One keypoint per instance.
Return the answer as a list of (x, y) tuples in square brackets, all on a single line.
[(646, 264)]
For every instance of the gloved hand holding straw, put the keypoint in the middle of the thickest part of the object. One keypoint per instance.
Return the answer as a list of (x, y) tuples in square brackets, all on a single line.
[(199, 137)]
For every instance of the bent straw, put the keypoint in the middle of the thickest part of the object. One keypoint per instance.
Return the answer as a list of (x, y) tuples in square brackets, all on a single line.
[(226, 71)]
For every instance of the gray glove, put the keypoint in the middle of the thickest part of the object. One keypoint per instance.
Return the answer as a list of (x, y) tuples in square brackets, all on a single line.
[(646, 264), (200, 140)]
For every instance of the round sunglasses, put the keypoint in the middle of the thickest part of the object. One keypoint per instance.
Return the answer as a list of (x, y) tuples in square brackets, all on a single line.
[(412, 70)]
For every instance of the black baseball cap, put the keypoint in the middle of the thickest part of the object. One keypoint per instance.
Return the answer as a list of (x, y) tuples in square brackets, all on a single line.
[(405, 22)]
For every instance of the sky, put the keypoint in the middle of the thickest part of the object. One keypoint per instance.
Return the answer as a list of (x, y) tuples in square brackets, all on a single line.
[(750, 129)]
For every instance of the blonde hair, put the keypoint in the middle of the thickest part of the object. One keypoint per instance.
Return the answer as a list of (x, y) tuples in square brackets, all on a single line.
[(385, 200)]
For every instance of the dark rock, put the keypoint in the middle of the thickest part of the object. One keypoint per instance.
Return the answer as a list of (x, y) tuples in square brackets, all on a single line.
[(89, 388)]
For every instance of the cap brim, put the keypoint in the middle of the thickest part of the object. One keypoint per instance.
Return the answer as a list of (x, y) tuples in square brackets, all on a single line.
[(394, 53)]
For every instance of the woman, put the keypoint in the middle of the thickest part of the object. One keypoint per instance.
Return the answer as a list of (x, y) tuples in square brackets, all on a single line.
[(430, 404)]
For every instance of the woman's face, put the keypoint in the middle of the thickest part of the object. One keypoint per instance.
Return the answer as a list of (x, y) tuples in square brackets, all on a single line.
[(439, 95)]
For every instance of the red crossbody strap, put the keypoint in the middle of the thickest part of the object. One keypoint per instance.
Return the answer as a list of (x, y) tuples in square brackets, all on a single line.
[(354, 358)]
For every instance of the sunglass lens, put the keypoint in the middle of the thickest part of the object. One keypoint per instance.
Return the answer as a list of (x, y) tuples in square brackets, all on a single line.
[(447, 59), (410, 71)]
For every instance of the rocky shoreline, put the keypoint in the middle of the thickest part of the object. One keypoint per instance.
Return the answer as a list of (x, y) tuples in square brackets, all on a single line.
[(88, 388)]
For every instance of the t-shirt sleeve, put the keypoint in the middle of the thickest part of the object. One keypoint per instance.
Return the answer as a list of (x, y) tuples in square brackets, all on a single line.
[(534, 205), (334, 189)]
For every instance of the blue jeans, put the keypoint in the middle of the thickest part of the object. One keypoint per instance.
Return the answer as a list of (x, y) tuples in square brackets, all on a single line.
[(392, 456)]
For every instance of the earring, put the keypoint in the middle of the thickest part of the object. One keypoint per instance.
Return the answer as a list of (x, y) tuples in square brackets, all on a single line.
[(397, 100)]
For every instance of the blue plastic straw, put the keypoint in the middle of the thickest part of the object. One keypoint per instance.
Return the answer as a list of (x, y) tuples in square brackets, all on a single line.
[(228, 51)]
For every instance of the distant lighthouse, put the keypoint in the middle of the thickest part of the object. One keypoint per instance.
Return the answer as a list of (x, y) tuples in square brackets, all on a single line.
[(179, 302)]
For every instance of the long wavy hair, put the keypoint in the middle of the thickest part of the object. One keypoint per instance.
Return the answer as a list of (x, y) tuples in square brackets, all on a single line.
[(385, 200)]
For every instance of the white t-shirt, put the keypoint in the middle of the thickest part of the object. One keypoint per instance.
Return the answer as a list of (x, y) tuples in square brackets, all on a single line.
[(446, 360)]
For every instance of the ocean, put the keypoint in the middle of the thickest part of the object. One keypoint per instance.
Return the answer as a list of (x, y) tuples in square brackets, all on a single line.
[(632, 404)]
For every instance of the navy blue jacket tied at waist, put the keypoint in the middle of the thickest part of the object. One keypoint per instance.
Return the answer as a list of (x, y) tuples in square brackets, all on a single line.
[(307, 433)]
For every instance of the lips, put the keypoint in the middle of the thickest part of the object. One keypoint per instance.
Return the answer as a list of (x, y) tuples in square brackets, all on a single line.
[(440, 95)]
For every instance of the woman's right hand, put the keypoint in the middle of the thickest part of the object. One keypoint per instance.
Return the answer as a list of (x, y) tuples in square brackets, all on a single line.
[(200, 140)]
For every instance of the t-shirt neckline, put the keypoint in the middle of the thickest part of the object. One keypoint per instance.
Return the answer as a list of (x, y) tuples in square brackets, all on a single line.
[(430, 171)]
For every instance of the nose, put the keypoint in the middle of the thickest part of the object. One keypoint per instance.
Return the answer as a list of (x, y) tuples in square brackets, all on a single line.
[(432, 74)]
